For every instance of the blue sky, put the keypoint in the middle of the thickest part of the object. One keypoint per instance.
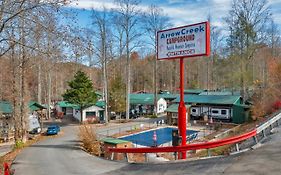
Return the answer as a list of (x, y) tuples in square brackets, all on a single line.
[(181, 12)]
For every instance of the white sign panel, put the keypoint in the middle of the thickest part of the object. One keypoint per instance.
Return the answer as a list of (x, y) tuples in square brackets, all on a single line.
[(186, 41)]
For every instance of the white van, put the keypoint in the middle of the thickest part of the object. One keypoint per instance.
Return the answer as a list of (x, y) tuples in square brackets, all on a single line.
[(34, 125)]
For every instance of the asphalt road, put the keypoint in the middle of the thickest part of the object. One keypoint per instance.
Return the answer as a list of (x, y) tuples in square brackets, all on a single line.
[(62, 156)]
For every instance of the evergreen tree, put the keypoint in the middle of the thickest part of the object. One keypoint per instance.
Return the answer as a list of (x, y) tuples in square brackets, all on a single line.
[(81, 91), (117, 95)]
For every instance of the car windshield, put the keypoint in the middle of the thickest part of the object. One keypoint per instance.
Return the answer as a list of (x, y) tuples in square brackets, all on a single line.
[(52, 127)]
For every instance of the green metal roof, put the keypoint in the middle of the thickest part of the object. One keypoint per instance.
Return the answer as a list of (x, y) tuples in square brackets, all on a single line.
[(211, 99), (5, 107), (143, 99), (193, 91), (34, 106), (174, 107), (114, 141), (148, 99), (220, 93), (168, 96), (100, 104), (65, 104)]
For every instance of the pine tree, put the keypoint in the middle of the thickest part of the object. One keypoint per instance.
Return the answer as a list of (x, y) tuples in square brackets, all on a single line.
[(81, 91), (117, 96)]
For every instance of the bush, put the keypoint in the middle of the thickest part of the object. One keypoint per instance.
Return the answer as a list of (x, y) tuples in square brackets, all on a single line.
[(89, 139), (19, 144)]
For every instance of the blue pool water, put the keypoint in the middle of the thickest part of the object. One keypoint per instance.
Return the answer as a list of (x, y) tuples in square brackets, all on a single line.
[(164, 135)]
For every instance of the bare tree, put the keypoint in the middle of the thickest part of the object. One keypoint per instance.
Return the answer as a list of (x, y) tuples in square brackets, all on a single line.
[(119, 40), (101, 20), (155, 20), (10, 10), (247, 20), (128, 13)]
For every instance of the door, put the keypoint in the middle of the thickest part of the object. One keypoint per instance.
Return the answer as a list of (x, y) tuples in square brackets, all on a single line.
[(101, 115)]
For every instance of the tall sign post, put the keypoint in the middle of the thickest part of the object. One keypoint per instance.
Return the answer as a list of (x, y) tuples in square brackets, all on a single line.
[(179, 43)]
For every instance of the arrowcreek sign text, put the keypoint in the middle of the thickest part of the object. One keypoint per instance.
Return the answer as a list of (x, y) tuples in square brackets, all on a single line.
[(186, 41)]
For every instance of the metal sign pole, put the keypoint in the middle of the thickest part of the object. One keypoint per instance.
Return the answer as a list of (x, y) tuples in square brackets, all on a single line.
[(182, 111), (179, 43)]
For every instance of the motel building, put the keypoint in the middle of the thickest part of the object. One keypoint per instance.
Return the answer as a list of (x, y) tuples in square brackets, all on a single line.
[(92, 113), (144, 104), (226, 108)]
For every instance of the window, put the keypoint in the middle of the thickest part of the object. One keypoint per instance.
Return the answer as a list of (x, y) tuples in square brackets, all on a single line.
[(223, 111), (215, 111), (193, 110), (90, 114)]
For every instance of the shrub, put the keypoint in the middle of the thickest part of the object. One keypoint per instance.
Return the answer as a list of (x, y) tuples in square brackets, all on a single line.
[(19, 144), (89, 139)]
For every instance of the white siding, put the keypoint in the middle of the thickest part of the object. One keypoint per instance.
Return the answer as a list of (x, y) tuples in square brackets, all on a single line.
[(161, 105), (77, 115), (195, 111)]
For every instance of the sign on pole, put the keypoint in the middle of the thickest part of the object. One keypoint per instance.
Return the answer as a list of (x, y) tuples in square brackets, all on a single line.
[(186, 41)]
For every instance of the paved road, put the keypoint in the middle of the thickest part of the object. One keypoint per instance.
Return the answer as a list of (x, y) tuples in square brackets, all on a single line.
[(60, 156)]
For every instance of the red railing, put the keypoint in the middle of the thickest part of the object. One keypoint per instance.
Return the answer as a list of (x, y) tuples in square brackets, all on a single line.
[(193, 146)]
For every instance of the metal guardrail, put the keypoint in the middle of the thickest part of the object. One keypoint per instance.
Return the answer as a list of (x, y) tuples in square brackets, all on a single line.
[(269, 123)]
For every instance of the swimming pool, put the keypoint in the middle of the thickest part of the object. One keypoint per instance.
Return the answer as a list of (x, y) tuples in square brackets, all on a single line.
[(164, 135)]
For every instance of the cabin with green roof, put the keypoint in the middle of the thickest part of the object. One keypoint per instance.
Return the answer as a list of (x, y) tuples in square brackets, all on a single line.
[(66, 108), (218, 107), (172, 114), (6, 121), (35, 106), (91, 114), (6, 108), (115, 143), (144, 103)]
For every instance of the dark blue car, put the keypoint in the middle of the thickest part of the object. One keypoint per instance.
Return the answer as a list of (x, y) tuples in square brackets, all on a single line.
[(53, 130)]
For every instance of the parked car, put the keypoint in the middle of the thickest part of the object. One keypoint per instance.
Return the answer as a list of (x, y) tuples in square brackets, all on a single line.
[(112, 115), (53, 130)]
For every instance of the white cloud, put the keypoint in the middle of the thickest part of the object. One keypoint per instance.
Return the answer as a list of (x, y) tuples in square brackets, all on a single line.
[(196, 12), (185, 13), (98, 4), (88, 4), (180, 15)]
